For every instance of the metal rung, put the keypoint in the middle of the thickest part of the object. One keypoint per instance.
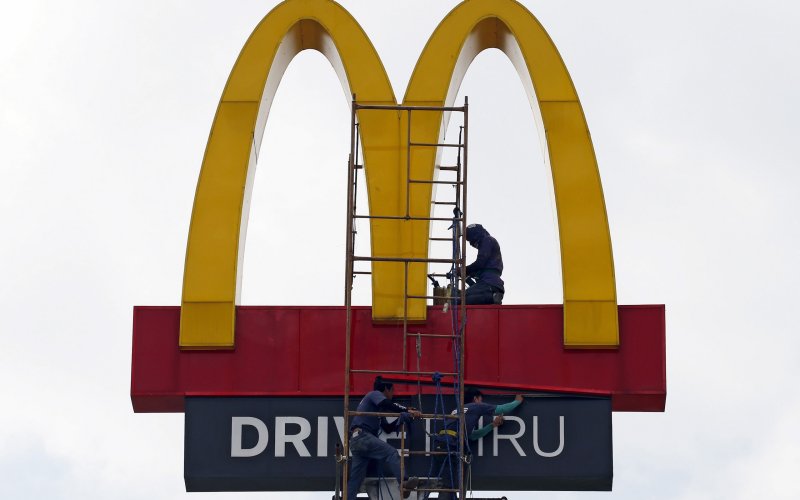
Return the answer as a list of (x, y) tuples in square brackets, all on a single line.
[(431, 453), (419, 181), (420, 334), (442, 239), (435, 335), (402, 259), (430, 297), (450, 169), (358, 167), (444, 203), (362, 272), (403, 372), (409, 108), (396, 414), (435, 145), (403, 217)]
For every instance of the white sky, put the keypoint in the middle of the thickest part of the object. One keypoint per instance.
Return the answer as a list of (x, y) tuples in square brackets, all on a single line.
[(104, 115)]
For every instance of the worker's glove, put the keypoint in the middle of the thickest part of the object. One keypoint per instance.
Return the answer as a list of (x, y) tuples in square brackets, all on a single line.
[(405, 418)]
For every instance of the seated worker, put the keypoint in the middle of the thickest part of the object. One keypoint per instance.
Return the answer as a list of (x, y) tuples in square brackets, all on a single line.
[(445, 440), (486, 270), (365, 445)]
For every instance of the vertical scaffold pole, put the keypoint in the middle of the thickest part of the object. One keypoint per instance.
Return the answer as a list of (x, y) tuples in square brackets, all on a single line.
[(348, 290), (463, 306)]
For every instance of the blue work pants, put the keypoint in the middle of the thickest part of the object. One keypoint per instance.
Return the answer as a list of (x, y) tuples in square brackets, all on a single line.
[(366, 447), (481, 293)]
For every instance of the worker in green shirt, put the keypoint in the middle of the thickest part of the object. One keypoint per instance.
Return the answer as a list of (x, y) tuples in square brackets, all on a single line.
[(445, 440)]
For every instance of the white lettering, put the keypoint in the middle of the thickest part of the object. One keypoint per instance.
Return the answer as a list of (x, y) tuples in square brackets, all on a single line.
[(511, 437), (339, 421), (236, 436), (281, 438), (427, 434), (322, 436), (480, 441), (560, 438)]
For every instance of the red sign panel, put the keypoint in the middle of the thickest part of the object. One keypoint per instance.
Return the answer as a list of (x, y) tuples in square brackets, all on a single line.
[(299, 351)]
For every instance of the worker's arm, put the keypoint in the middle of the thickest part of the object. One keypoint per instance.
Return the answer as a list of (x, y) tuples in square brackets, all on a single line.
[(501, 409), (486, 429), (484, 252), (405, 418), (390, 406)]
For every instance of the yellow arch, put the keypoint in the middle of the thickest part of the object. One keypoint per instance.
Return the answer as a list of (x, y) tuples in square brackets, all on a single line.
[(218, 226), (590, 302), (212, 273)]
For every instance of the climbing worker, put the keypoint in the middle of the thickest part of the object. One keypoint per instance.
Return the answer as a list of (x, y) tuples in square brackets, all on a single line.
[(365, 444), (486, 270), (445, 440)]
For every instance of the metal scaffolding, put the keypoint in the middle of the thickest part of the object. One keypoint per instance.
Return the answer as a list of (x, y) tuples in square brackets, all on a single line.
[(455, 300)]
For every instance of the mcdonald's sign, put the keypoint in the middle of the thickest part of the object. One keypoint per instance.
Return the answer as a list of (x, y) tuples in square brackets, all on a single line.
[(209, 346), (216, 237)]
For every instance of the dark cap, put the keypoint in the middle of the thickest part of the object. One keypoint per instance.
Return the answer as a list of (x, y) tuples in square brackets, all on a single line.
[(381, 385)]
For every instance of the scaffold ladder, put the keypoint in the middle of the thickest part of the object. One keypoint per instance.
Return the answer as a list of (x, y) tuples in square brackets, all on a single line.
[(455, 300)]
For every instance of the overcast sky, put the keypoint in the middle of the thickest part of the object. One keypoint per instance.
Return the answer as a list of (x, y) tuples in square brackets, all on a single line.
[(105, 109)]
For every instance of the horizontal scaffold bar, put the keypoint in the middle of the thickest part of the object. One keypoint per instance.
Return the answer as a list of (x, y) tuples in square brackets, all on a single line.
[(406, 259), (396, 414), (434, 335), (420, 181), (435, 145), (409, 108), (402, 372), (403, 217), (430, 297)]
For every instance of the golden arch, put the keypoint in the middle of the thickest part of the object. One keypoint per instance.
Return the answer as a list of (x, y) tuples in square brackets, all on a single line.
[(218, 225)]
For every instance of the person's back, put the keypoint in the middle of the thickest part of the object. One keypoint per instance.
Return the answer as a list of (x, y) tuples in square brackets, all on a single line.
[(487, 268), (472, 415), (372, 402)]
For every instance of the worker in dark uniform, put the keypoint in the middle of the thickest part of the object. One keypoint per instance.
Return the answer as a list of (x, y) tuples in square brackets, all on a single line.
[(365, 444), (445, 440), (486, 270)]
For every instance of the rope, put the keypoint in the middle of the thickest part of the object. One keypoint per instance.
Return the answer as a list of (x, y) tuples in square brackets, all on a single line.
[(382, 479)]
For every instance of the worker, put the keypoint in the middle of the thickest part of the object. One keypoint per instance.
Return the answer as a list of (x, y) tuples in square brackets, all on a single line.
[(445, 440), (486, 270), (365, 445)]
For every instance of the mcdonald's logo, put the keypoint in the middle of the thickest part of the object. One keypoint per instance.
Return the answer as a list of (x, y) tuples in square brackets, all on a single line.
[(218, 225)]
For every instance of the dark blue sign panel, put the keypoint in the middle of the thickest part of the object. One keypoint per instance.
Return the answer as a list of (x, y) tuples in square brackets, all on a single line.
[(288, 444)]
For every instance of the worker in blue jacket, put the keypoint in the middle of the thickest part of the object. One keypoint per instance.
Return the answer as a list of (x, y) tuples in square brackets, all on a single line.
[(365, 445), (445, 440), (487, 268)]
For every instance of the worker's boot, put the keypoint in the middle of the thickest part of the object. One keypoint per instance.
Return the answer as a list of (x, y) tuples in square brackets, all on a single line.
[(410, 484)]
